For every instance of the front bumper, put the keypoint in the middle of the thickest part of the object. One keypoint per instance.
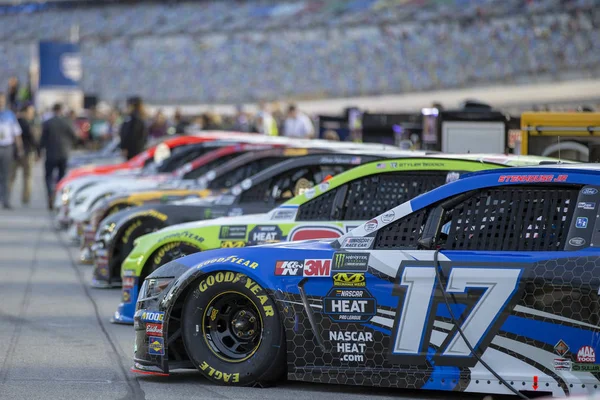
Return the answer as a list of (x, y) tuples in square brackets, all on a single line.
[(101, 277), (86, 255), (62, 220), (129, 294), (150, 343)]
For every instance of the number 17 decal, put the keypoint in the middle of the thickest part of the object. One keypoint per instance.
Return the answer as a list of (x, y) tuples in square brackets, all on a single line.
[(479, 297)]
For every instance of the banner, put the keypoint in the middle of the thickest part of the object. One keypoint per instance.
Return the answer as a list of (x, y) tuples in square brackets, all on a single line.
[(60, 65)]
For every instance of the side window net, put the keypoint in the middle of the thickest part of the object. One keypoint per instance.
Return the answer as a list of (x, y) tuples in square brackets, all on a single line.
[(318, 209), (402, 234), (512, 219), (374, 195)]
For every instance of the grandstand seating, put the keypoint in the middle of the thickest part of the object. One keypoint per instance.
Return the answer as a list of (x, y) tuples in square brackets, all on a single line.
[(227, 51)]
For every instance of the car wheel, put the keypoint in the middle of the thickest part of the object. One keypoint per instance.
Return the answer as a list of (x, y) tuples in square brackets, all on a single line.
[(124, 245), (164, 254), (232, 331)]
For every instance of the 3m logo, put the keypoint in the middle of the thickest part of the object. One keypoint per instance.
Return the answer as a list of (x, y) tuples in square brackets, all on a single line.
[(349, 280), (316, 268), (586, 354), (289, 268)]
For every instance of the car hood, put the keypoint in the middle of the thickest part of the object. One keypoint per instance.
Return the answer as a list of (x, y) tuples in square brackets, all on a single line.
[(241, 220)]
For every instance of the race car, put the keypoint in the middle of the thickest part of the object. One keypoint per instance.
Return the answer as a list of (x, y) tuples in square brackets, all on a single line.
[(487, 284), (259, 160), (259, 192), (170, 172), (328, 211)]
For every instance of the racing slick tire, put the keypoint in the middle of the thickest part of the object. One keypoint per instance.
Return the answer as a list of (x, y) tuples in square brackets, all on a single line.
[(232, 331), (124, 244), (167, 253)]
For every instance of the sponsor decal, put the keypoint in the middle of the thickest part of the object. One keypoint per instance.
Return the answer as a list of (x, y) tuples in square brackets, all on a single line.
[(314, 232), (357, 243), (218, 375), (581, 222), (351, 345), (562, 364), (130, 230), (126, 296), (156, 346), (452, 176), (153, 316), (589, 191), (394, 164), (231, 259), (317, 267), (289, 268), (235, 212), (128, 282), (586, 354), (309, 193), (561, 348), (323, 186), (586, 205), (226, 277), (531, 178), (388, 216), (264, 234), (577, 241), (380, 165), (103, 272), (347, 305), (233, 232), (355, 160), (232, 244), (585, 367), (347, 279), (154, 329), (350, 261), (371, 225), (285, 213), (236, 190), (246, 184), (180, 235)]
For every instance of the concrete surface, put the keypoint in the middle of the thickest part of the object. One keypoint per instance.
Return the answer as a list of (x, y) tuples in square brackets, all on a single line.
[(56, 341)]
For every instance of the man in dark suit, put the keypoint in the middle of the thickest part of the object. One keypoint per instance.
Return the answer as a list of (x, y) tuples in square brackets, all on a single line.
[(57, 139), (133, 130)]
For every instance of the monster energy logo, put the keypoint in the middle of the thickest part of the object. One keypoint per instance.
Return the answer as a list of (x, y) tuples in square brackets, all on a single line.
[(233, 232), (350, 261)]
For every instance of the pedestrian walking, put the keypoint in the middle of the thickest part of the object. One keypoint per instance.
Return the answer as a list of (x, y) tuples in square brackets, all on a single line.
[(10, 136), (31, 152), (134, 133), (58, 137)]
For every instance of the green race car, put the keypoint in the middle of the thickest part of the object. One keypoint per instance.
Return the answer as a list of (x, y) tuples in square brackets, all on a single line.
[(328, 210)]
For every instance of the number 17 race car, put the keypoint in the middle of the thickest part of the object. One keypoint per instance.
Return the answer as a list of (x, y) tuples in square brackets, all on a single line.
[(486, 284)]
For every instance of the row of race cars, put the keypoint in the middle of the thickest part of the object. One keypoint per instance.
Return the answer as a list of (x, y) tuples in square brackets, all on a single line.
[(408, 269)]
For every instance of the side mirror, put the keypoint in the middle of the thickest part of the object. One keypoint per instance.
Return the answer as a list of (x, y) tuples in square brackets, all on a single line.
[(432, 228)]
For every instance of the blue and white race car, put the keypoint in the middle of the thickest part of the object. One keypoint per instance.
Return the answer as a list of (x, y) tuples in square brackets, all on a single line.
[(487, 284)]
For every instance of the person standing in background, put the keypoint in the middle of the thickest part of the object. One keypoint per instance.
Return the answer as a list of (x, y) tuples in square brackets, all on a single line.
[(57, 139), (10, 135), (30, 152), (298, 124), (158, 128), (133, 131)]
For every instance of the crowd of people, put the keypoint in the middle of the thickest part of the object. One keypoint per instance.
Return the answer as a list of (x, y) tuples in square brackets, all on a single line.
[(26, 134), (210, 52)]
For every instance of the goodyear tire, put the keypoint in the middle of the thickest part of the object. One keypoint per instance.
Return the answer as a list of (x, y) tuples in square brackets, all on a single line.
[(124, 244), (166, 253), (232, 331)]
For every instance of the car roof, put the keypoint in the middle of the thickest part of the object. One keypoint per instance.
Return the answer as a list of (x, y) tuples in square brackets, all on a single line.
[(563, 174)]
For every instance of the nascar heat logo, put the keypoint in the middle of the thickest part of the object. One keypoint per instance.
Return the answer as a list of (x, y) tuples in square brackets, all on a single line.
[(310, 267)]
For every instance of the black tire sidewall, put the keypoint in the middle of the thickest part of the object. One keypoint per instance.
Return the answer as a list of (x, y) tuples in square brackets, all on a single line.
[(157, 260), (126, 247), (262, 365)]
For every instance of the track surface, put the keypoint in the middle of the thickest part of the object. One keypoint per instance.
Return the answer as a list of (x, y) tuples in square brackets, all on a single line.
[(56, 341)]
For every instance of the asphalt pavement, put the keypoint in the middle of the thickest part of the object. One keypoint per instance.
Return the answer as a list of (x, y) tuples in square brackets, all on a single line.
[(56, 341)]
